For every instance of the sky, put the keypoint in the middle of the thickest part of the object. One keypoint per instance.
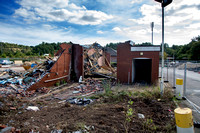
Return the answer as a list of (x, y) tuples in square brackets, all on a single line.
[(31, 22)]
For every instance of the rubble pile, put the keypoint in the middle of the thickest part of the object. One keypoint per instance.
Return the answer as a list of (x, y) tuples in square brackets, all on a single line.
[(12, 82), (190, 66), (86, 88), (96, 62)]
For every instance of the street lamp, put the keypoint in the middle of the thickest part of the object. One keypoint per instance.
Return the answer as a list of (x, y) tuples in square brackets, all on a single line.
[(164, 3), (152, 26)]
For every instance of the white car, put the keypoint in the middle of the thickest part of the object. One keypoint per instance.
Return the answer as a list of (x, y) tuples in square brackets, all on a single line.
[(6, 62)]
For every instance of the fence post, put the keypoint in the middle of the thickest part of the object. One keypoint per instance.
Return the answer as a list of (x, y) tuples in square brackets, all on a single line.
[(167, 70), (174, 76), (185, 77)]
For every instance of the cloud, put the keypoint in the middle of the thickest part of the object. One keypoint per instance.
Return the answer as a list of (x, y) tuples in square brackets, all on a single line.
[(34, 35), (59, 10), (120, 21), (181, 17), (136, 1), (116, 29), (99, 32)]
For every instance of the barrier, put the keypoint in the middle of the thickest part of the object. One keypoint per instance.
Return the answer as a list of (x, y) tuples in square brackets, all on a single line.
[(179, 88), (184, 122)]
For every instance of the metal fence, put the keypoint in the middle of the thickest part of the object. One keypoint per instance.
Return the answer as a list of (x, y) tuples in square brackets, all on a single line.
[(189, 71)]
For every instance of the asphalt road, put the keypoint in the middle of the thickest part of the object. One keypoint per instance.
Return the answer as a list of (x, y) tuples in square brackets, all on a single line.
[(192, 83)]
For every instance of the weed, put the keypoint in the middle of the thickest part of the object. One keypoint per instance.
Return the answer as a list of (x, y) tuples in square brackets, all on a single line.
[(63, 81), (107, 86), (129, 116), (80, 125), (57, 83), (168, 94), (136, 93), (149, 125), (177, 102)]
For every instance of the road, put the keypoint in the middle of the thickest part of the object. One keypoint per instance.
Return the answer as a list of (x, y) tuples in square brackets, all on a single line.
[(192, 83)]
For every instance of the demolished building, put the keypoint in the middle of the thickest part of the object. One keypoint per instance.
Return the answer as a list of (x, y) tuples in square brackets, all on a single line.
[(70, 63), (73, 62)]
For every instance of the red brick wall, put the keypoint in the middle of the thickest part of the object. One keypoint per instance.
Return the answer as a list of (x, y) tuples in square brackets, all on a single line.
[(77, 61), (60, 69), (124, 62)]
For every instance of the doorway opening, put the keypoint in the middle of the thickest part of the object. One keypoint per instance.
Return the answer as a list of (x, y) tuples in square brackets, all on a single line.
[(141, 70)]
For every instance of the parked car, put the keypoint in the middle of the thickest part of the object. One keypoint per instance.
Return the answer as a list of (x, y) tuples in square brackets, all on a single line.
[(6, 62)]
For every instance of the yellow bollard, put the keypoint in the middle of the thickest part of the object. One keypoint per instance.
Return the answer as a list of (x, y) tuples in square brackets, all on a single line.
[(184, 121), (179, 88)]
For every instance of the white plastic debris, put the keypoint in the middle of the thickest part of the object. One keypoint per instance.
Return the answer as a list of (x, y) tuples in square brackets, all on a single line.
[(75, 92), (80, 79), (141, 116), (34, 108)]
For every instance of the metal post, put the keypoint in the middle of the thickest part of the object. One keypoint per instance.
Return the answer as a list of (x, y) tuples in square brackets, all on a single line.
[(152, 26), (174, 76), (196, 67), (167, 69), (184, 84), (161, 84)]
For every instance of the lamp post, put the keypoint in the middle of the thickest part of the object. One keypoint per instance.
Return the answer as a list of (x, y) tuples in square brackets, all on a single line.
[(152, 26), (164, 3)]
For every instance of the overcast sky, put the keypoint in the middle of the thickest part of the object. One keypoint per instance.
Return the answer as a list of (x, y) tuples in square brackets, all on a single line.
[(31, 22)]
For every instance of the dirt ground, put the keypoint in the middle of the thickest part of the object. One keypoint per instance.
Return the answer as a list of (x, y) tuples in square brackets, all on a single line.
[(107, 113)]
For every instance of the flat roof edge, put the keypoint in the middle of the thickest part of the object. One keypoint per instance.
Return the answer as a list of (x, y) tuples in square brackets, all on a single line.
[(144, 48)]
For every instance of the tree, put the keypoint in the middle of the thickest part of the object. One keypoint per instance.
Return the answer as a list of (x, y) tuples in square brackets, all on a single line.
[(145, 44), (195, 51), (112, 45)]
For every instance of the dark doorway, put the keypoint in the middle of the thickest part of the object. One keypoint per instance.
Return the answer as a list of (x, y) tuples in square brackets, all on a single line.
[(142, 71)]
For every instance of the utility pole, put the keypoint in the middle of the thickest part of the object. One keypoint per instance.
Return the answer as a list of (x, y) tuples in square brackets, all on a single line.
[(164, 3), (152, 26)]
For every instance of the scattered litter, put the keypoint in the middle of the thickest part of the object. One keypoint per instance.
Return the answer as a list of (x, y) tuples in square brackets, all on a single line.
[(86, 88), (141, 116), (77, 131), (169, 110), (86, 129), (75, 92), (34, 108), (80, 79), (81, 101), (57, 131)]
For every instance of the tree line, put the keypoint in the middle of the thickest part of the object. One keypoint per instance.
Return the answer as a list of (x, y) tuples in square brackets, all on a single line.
[(190, 51), (11, 50)]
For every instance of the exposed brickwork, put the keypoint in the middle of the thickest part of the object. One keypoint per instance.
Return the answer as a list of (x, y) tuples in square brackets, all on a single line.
[(59, 71)]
